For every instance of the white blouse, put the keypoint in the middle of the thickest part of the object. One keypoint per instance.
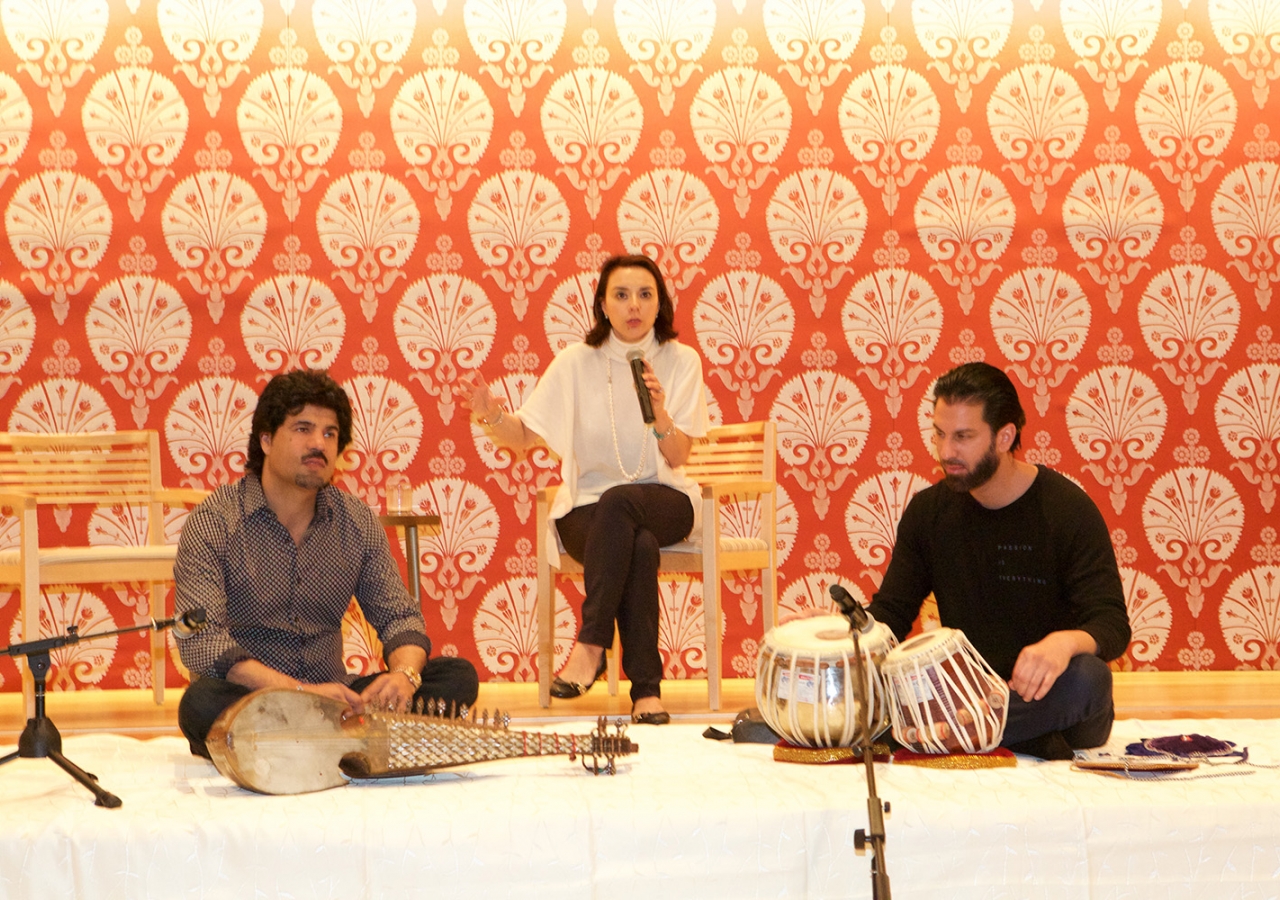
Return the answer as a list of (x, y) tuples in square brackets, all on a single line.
[(587, 396)]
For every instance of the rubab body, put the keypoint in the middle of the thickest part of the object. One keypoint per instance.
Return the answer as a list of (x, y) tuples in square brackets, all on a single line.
[(294, 742)]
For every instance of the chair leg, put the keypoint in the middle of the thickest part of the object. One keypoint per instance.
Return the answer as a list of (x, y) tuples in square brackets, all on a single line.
[(545, 614), (28, 610), (614, 654), (158, 648), (769, 588), (711, 624), (28, 690)]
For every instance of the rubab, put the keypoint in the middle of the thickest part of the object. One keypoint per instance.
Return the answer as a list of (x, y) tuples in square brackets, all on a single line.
[(294, 742)]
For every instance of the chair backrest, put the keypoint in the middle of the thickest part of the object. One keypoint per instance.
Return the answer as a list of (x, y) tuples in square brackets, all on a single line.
[(95, 467), (741, 452)]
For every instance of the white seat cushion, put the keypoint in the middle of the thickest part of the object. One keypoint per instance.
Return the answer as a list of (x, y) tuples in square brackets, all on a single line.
[(727, 544), (102, 553)]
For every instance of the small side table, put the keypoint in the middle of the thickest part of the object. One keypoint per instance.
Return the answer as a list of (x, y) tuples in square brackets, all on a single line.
[(411, 522)]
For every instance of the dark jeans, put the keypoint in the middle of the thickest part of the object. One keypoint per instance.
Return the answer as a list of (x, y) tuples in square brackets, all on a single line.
[(1079, 705), (444, 678), (617, 541)]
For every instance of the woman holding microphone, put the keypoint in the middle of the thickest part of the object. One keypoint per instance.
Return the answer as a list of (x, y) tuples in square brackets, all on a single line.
[(623, 494)]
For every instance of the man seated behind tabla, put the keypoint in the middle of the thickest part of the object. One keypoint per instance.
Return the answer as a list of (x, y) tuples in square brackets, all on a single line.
[(1020, 560)]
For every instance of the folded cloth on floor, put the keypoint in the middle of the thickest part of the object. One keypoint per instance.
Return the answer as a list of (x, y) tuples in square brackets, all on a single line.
[(1187, 746)]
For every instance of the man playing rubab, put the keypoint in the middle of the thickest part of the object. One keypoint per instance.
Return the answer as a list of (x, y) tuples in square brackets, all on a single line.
[(275, 558)]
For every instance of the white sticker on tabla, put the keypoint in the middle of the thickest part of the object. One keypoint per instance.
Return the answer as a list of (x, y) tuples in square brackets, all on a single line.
[(920, 688), (806, 690)]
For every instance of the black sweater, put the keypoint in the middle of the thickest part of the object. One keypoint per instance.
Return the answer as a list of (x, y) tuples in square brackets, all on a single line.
[(1007, 577)]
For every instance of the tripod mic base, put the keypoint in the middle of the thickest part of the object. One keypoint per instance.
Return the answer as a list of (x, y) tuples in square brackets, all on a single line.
[(101, 796), (39, 739)]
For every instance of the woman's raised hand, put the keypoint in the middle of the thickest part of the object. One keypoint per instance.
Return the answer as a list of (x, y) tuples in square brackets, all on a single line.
[(503, 428), (477, 397)]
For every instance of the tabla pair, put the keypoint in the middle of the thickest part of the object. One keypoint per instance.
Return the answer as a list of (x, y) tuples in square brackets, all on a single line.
[(938, 691)]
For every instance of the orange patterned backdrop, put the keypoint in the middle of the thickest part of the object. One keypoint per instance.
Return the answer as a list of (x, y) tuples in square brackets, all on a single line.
[(847, 198)]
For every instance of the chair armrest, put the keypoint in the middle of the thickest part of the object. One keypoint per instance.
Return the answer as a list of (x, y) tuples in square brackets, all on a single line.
[(18, 500), (181, 496), (724, 488), (547, 494)]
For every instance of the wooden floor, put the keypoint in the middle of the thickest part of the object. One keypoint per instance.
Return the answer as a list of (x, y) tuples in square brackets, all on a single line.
[(1141, 695)]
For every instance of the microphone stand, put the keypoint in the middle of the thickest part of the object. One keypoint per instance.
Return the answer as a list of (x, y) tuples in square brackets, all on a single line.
[(40, 738), (874, 834)]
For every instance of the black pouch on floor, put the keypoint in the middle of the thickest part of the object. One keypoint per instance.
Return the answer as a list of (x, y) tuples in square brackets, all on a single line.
[(749, 727)]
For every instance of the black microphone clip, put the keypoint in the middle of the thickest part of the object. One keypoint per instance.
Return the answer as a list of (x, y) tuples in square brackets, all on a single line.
[(859, 619), (185, 625)]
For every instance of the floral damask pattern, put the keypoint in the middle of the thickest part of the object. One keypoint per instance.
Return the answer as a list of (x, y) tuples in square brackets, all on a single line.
[(846, 198)]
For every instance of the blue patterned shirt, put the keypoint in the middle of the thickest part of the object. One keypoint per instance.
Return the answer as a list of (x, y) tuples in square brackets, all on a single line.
[(280, 603)]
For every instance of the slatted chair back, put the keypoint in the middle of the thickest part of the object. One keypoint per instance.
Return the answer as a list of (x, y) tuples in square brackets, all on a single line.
[(97, 469), (734, 453), (71, 469)]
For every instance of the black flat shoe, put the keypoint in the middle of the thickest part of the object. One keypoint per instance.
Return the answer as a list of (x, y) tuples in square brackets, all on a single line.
[(651, 718), (571, 690)]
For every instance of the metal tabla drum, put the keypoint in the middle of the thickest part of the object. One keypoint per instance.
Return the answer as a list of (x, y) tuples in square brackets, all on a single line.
[(945, 698), (807, 688)]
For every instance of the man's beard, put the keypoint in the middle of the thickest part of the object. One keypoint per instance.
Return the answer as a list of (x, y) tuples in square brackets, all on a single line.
[(308, 480), (976, 477)]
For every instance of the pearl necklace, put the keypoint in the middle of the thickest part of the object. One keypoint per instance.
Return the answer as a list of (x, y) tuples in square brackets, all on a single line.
[(613, 426)]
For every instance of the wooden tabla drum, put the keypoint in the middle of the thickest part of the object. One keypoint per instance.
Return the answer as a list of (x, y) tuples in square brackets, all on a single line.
[(807, 688), (945, 698)]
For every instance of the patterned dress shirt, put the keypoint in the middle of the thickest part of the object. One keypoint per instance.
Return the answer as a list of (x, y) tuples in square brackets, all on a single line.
[(280, 603)]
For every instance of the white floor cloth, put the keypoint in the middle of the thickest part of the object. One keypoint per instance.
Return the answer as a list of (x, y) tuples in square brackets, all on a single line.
[(686, 817)]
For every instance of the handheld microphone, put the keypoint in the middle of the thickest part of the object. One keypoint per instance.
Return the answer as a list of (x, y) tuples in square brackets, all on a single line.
[(859, 619), (185, 625), (635, 356)]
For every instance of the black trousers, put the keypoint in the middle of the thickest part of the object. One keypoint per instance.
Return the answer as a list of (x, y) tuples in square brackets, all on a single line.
[(617, 541), (1079, 705), (443, 678)]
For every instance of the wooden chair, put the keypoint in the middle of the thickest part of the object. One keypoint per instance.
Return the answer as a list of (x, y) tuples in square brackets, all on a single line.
[(100, 468), (733, 461)]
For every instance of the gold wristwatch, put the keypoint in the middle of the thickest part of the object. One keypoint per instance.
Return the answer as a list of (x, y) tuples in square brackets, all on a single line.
[(414, 676)]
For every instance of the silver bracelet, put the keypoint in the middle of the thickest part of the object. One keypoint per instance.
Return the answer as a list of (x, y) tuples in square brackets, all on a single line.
[(670, 431), (496, 422)]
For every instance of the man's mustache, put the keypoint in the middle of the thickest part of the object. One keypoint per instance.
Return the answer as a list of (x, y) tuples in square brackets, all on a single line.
[(318, 454)]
